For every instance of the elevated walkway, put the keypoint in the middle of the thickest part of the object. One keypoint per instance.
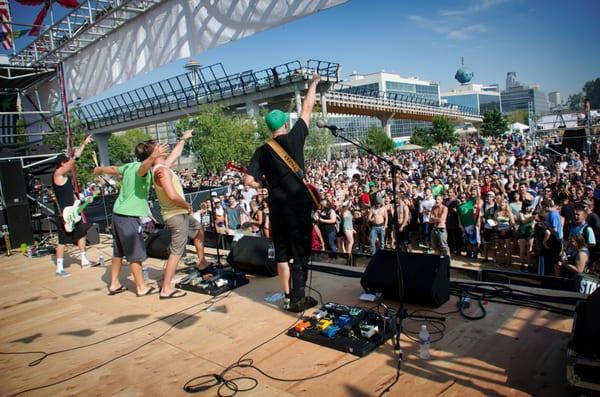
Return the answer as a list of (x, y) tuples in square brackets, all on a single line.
[(384, 105), (180, 96)]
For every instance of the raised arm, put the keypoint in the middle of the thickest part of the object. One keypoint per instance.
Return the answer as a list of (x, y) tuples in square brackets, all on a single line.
[(178, 149), (68, 165), (110, 170), (309, 99)]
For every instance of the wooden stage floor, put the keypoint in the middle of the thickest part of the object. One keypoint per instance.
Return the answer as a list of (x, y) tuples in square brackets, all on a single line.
[(152, 352)]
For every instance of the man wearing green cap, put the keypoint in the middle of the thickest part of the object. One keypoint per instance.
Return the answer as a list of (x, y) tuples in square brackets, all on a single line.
[(289, 200)]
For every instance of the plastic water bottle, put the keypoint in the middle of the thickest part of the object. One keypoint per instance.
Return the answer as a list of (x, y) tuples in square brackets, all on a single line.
[(101, 260), (424, 343), (271, 252), (145, 272)]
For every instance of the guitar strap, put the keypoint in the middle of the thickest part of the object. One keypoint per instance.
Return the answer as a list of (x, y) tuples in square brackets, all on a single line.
[(292, 165)]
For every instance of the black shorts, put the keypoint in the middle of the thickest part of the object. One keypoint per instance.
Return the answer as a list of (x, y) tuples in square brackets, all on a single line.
[(80, 230), (291, 231), (128, 238)]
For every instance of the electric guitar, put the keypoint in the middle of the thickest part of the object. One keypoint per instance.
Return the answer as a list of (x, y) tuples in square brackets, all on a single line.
[(312, 190), (72, 214)]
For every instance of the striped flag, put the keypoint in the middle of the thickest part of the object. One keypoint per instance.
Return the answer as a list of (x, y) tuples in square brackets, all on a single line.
[(5, 26)]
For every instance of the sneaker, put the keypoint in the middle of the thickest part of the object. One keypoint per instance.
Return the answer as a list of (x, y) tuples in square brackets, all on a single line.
[(63, 274), (285, 303), (305, 303)]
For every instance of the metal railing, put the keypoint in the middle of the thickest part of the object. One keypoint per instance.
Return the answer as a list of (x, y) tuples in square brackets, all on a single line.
[(400, 98), (208, 84)]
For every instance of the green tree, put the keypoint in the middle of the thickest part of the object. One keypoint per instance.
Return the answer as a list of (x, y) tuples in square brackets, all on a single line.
[(317, 143), (422, 136), (443, 130), (220, 138), (494, 124), (575, 102), (21, 131), (591, 90), (378, 141), (519, 116), (121, 146)]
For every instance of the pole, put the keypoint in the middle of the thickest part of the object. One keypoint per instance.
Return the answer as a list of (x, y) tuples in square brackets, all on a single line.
[(67, 117)]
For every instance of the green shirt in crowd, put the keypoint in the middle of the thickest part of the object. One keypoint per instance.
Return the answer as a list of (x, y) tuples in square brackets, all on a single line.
[(437, 190), (466, 212), (133, 197)]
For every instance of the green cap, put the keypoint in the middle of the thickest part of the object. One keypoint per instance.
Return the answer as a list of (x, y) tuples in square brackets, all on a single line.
[(275, 119)]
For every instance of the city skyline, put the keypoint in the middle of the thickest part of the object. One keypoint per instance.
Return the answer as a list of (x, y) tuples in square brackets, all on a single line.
[(543, 43)]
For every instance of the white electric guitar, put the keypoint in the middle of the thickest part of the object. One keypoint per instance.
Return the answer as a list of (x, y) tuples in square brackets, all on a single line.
[(72, 214)]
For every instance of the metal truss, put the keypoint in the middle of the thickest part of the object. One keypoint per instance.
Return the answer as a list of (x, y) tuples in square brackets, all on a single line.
[(90, 22)]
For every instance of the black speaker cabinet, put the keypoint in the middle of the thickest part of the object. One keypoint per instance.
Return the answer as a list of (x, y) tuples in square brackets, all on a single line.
[(250, 255), (93, 234), (12, 183), (157, 244), (426, 277), (19, 224), (574, 139), (585, 337)]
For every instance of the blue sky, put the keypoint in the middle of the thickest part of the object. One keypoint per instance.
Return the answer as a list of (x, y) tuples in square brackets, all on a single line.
[(550, 43)]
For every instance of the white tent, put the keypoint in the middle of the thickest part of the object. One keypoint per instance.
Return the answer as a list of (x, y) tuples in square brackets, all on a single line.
[(519, 127)]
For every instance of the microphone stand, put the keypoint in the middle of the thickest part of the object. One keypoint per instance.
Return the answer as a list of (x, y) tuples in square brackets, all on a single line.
[(401, 314), (213, 212)]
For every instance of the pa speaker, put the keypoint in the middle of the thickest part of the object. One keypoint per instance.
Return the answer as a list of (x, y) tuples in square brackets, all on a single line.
[(586, 327), (426, 277), (93, 234), (574, 139), (12, 183), (19, 224), (157, 244), (251, 255)]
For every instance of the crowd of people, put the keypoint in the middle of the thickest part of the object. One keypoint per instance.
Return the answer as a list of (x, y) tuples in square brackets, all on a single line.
[(507, 200)]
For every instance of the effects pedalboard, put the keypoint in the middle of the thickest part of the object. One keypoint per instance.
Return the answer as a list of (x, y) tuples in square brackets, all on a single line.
[(214, 283), (350, 329)]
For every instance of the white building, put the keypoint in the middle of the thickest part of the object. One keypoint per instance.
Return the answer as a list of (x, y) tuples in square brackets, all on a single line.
[(477, 97), (554, 99), (392, 83)]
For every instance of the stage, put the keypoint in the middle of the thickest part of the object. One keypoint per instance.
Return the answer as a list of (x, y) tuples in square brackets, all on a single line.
[(156, 346)]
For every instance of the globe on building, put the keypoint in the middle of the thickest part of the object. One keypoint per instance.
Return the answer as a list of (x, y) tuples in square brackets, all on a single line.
[(464, 75)]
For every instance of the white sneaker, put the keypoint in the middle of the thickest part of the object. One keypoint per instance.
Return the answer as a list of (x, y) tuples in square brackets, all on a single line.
[(63, 273)]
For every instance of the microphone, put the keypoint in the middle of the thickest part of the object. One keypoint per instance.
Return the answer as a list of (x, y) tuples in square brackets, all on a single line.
[(331, 127)]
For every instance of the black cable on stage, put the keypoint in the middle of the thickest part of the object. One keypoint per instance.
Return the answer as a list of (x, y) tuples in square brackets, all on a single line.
[(212, 301), (206, 382)]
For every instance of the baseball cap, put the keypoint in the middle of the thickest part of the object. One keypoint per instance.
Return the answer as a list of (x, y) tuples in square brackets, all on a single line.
[(275, 119)]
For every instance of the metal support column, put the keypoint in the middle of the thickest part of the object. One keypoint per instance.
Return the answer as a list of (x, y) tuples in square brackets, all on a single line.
[(102, 141)]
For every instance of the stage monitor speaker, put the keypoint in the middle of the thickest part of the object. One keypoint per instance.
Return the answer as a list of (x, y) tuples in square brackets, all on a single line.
[(585, 338), (574, 139), (250, 255), (157, 244), (426, 277), (93, 234), (19, 224), (12, 183)]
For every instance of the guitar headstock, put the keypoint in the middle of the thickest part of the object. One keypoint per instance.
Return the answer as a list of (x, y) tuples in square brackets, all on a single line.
[(233, 166)]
